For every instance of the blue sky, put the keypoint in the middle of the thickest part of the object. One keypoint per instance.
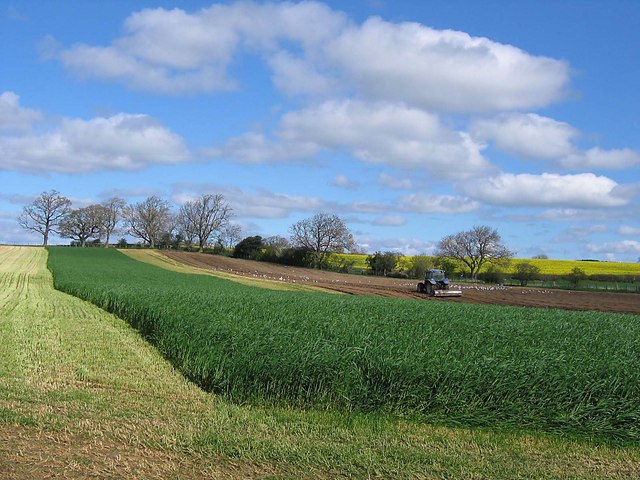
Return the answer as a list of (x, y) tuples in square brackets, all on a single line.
[(410, 120)]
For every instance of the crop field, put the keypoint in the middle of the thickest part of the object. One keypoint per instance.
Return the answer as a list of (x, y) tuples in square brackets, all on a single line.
[(546, 266), (83, 395), (545, 370)]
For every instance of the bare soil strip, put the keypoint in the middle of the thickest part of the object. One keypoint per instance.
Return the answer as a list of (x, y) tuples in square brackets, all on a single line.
[(397, 288)]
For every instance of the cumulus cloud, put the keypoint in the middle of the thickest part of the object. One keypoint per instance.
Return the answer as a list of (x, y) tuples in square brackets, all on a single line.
[(311, 48), (629, 230), (255, 148), (584, 190), (395, 183), (255, 204), (406, 246), (390, 221), (596, 158), (428, 203), (119, 142), (384, 133), (621, 247), (381, 133), (342, 181), (444, 69), (175, 52), (527, 135), (14, 117)]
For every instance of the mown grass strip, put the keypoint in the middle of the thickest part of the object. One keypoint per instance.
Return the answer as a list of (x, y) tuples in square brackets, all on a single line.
[(506, 367), (153, 257)]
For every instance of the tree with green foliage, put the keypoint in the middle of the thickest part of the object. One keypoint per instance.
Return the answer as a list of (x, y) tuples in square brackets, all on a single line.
[(448, 265), (576, 276), (383, 263), (248, 248), (524, 272)]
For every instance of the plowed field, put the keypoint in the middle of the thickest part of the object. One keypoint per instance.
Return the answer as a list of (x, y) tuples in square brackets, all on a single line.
[(390, 287)]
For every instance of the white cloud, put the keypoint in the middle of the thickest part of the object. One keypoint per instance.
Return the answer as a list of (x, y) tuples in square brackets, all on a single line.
[(428, 203), (444, 69), (622, 247), (629, 230), (120, 142), (584, 190), (383, 133), (259, 204), (394, 183), (527, 135), (13, 117), (294, 75), (314, 49), (175, 52), (342, 181), (255, 148), (596, 158), (390, 221), (406, 246)]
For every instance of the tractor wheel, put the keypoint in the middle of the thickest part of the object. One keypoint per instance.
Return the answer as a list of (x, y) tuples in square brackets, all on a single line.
[(429, 289), (421, 287)]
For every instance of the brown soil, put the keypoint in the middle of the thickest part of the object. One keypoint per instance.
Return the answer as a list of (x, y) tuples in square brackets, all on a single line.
[(389, 287)]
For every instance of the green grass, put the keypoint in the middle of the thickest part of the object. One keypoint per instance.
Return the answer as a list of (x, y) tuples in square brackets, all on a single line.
[(457, 364), (82, 395)]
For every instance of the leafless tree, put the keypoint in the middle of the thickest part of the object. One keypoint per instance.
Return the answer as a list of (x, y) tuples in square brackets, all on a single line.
[(82, 224), (148, 219), (322, 234), (112, 212), (203, 217), (44, 214), (230, 236), (474, 248)]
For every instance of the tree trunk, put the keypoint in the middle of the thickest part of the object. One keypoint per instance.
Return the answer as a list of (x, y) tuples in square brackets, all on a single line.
[(45, 241)]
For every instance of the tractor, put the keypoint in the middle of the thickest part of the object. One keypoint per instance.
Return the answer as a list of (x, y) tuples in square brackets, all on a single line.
[(437, 285)]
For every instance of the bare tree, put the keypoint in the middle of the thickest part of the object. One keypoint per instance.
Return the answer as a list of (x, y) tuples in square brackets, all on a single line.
[(474, 248), (203, 217), (230, 236), (322, 234), (112, 212), (44, 214), (82, 224), (148, 219)]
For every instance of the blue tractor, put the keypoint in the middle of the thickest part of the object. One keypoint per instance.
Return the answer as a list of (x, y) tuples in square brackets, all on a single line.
[(436, 284)]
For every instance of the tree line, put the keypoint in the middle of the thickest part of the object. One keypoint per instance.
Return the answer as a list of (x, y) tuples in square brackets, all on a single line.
[(198, 222), (206, 219)]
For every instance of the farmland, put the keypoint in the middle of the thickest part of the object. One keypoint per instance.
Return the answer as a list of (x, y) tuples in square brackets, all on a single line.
[(250, 272), (546, 266), (541, 370), (83, 395)]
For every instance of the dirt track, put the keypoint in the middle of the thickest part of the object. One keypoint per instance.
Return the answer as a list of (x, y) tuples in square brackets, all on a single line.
[(390, 287)]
